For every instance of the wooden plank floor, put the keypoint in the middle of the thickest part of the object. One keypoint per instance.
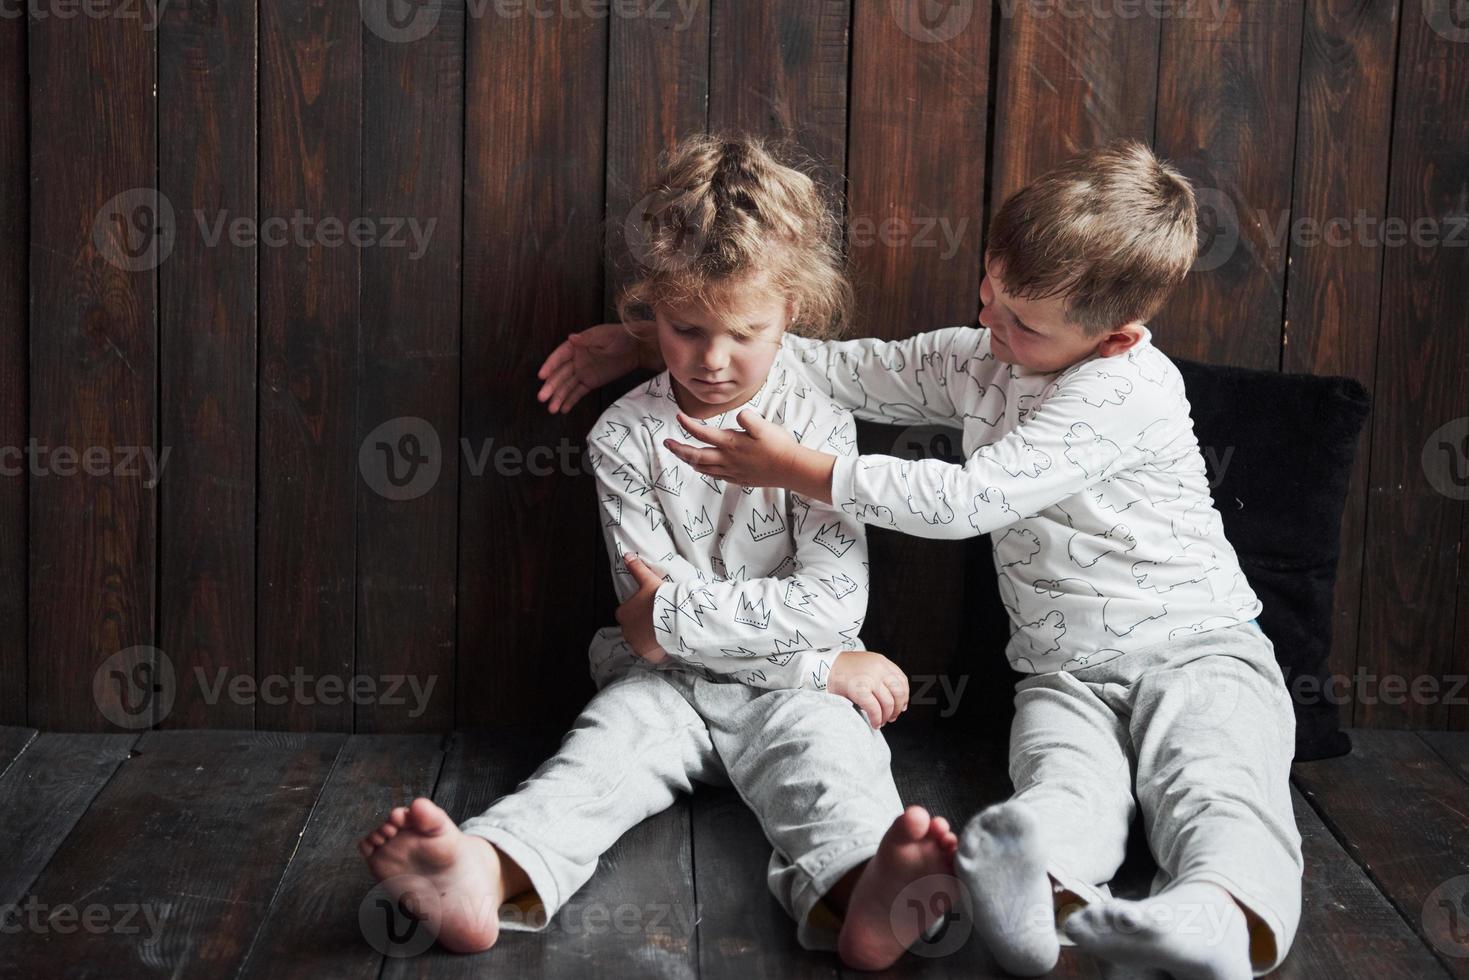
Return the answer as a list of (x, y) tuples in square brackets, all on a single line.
[(214, 854)]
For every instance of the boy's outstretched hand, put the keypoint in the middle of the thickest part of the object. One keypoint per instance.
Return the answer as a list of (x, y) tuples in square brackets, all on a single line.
[(588, 360), (635, 616), (872, 682), (764, 455)]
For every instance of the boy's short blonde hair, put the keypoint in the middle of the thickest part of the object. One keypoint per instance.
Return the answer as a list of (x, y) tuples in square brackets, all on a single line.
[(1112, 230), (725, 211)]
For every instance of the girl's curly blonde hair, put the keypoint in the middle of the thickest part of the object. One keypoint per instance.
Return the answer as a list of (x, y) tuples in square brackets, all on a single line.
[(725, 211)]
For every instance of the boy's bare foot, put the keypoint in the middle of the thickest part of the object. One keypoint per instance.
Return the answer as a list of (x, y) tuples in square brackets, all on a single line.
[(1194, 931), (419, 846), (917, 849), (1003, 864)]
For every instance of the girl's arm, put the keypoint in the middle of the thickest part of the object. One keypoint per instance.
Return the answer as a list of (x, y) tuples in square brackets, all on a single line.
[(764, 630)]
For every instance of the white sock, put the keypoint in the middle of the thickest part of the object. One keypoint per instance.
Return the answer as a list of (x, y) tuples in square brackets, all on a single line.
[(1002, 863), (1194, 931)]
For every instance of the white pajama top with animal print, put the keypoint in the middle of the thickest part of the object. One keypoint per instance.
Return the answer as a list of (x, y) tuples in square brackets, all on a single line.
[(1089, 480), (762, 586)]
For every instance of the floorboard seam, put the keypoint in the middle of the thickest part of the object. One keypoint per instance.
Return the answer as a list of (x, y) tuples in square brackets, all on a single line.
[(1354, 854), (22, 751), (290, 861), (1453, 766), (446, 746), (61, 844)]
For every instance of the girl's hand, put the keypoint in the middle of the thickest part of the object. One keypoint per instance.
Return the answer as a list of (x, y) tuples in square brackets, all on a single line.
[(872, 682), (764, 455), (588, 360), (635, 616)]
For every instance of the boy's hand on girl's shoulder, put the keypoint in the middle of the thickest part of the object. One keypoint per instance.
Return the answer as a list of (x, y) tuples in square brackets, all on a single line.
[(872, 682), (764, 455), (588, 360), (635, 616)]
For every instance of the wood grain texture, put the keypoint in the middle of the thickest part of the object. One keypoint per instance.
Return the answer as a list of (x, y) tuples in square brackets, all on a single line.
[(1348, 928), (1452, 747), (915, 204), (98, 232), (14, 392), (533, 201), (169, 838), (634, 918), (13, 741), (372, 775), (1419, 477), (408, 549), (1363, 798), (1227, 89), (46, 791), (1067, 84), (207, 338), (779, 70), (310, 351), (1348, 56), (744, 932)]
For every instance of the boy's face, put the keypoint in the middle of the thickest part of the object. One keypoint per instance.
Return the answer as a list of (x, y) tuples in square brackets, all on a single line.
[(1035, 333), (713, 368)]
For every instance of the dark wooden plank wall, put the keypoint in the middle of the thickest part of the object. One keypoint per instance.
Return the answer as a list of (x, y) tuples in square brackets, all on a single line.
[(296, 387), (14, 414)]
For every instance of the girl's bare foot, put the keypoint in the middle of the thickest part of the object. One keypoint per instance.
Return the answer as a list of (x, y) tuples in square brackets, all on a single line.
[(916, 852), (449, 879)]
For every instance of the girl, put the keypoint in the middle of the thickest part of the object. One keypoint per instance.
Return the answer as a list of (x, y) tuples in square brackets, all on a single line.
[(734, 660)]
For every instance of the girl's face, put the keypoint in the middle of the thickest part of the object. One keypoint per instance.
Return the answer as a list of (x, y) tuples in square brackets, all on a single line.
[(714, 369)]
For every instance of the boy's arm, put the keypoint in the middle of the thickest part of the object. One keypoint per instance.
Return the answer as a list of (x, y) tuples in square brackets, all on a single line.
[(1077, 440), (717, 624), (917, 379), (1087, 431)]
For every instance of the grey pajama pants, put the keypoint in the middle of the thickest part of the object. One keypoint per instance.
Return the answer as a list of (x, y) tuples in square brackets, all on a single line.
[(816, 775), (1202, 731)]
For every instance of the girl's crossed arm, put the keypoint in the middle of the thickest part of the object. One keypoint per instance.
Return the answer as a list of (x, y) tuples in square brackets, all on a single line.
[(775, 632)]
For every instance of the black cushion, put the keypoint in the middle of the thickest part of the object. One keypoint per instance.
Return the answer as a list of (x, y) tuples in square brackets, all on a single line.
[(1279, 448)]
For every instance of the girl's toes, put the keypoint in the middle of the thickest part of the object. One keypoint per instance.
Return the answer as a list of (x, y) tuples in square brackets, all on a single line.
[(399, 816), (389, 831)]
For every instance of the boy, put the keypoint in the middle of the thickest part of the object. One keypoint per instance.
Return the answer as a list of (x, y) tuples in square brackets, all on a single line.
[(1151, 684)]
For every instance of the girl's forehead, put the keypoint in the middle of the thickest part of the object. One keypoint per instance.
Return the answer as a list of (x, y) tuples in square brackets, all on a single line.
[(749, 306)]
